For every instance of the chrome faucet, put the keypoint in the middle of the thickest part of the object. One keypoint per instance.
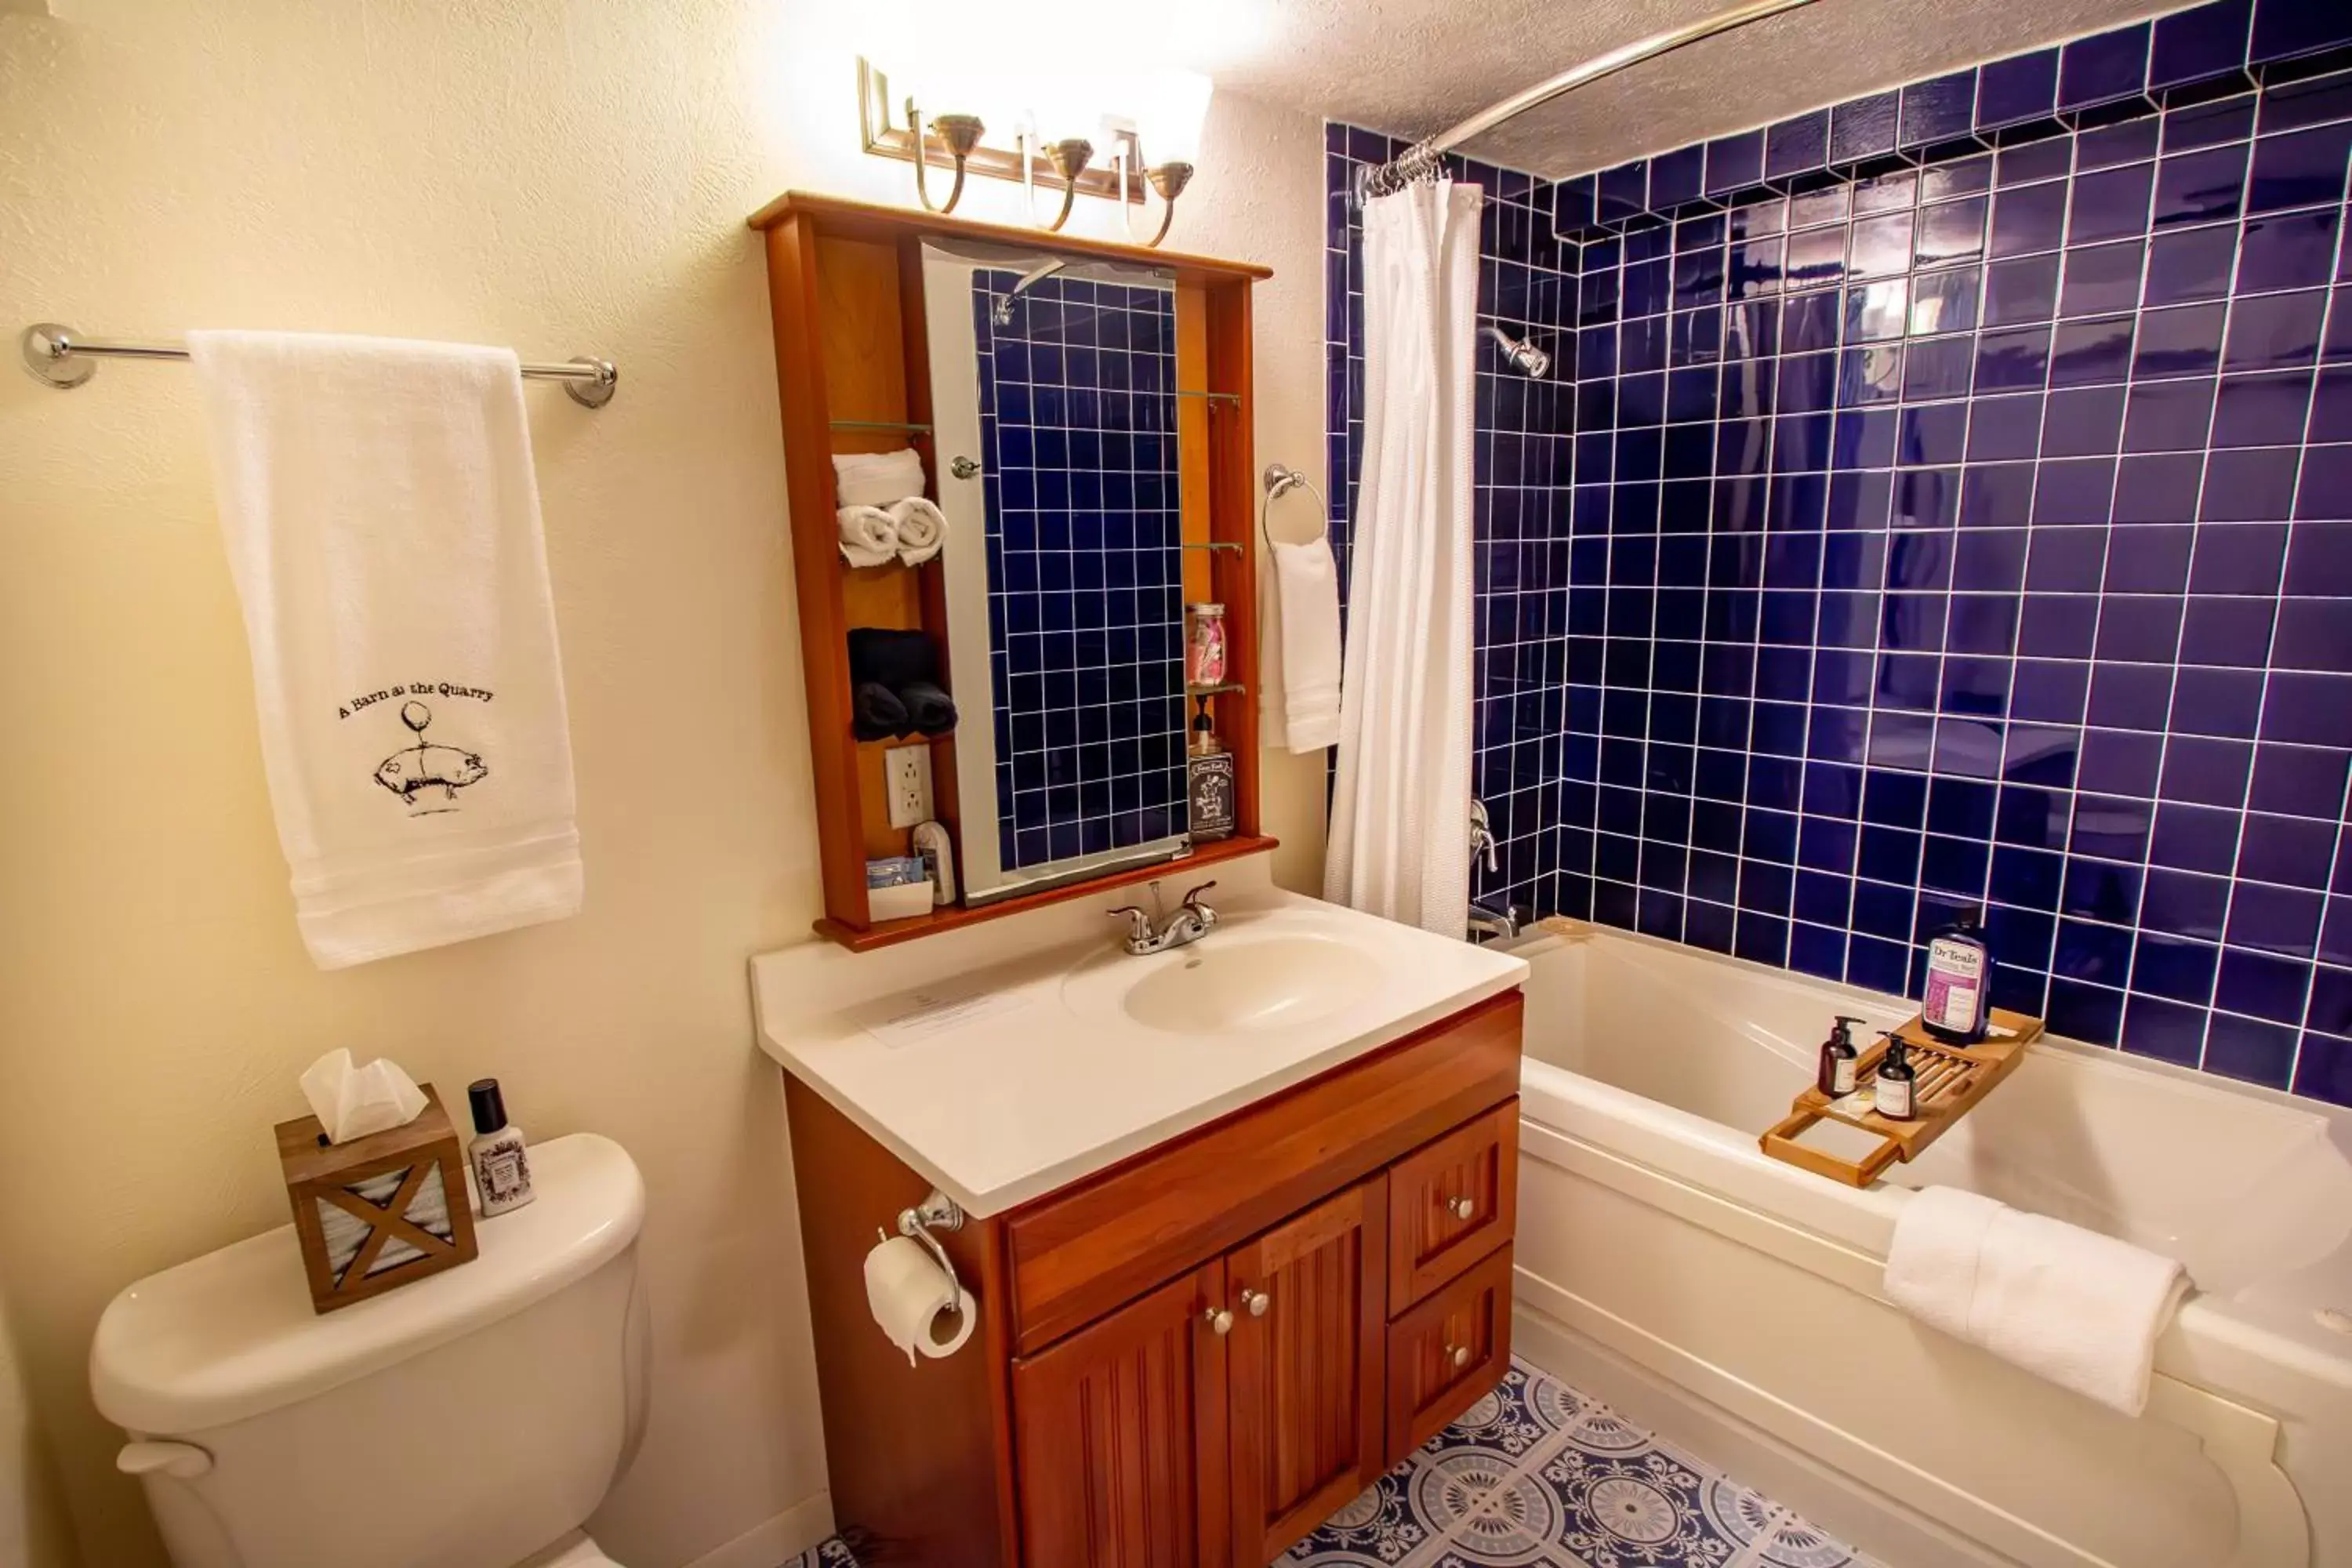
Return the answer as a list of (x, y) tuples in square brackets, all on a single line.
[(1503, 923), (1482, 836), (1193, 921)]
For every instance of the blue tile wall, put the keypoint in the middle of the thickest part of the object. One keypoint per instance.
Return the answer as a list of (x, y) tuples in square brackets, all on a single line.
[(1077, 416), (1960, 514), (1520, 474)]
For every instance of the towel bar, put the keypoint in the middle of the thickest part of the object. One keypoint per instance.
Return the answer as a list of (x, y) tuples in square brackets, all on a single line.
[(62, 358)]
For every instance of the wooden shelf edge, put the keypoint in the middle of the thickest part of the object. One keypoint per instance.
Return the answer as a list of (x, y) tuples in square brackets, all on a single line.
[(842, 212), (954, 917)]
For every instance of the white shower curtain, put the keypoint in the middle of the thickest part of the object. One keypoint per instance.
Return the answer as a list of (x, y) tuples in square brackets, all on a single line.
[(1400, 843)]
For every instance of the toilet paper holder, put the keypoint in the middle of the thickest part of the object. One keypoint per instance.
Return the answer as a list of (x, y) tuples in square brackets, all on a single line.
[(937, 1211)]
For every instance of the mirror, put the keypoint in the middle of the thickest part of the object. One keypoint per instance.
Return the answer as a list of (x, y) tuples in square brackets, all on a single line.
[(1056, 411)]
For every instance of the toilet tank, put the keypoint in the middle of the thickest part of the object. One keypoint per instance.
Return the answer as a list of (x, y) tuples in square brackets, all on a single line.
[(465, 1421)]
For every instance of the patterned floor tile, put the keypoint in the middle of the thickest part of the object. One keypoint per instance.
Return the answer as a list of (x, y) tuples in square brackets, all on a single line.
[(1536, 1475)]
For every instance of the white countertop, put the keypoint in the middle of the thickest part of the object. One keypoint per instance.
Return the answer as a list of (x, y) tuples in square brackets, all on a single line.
[(1027, 1075)]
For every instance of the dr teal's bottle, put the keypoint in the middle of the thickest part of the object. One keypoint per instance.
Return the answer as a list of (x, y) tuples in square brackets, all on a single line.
[(1959, 972)]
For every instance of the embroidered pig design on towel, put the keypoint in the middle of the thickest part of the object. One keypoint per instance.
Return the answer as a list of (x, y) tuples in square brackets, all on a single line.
[(426, 766)]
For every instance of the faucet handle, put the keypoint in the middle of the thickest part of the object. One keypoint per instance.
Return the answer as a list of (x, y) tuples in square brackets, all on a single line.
[(1138, 924), (1192, 898)]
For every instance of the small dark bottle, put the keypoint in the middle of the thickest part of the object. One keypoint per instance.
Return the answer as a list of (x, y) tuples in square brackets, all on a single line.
[(1892, 1095), (1838, 1059), (1955, 1006)]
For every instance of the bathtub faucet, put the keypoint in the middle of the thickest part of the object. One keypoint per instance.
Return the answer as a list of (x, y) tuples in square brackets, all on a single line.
[(1503, 923)]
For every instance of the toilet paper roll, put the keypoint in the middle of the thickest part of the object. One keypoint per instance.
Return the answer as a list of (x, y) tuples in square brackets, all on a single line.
[(914, 1302)]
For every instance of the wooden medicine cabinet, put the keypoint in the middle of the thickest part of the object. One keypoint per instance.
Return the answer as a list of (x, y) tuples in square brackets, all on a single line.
[(1056, 391)]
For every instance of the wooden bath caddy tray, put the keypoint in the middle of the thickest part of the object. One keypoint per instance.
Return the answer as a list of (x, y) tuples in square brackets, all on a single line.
[(1951, 1080)]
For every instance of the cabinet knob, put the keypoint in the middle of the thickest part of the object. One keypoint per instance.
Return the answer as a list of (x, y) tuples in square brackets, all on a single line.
[(1219, 1321), (1257, 1302), (1461, 1208), (1459, 1355)]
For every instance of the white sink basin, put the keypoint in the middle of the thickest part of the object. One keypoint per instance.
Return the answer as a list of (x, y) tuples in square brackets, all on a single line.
[(1249, 983), (1253, 974)]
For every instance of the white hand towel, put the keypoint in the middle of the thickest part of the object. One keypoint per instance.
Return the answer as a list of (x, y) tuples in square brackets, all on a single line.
[(2078, 1308), (1300, 705), (876, 478), (922, 529), (382, 526), (868, 537)]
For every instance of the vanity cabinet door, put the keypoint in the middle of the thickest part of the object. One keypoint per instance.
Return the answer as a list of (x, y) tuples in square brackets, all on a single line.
[(1307, 1360), (1119, 1436), (1448, 1352)]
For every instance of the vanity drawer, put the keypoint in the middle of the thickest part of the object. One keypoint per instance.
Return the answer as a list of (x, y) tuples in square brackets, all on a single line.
[(1079, 1253), (1446, 1352), (1451, 1202)]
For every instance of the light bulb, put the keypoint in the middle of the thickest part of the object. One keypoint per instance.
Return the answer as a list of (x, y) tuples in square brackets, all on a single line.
[(1169, 106)]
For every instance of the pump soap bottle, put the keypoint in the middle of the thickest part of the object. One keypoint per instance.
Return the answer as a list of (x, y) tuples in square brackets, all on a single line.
[(501, 1162), (1891, 1096), (1838, 1059)]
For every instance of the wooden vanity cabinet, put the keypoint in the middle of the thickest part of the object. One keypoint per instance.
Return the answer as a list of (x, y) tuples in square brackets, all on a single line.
[(1191, 1359)]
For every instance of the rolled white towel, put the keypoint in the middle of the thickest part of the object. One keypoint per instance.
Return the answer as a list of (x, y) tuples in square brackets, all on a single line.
[(2078, 1308), (868, 537), (876, 478), (922, 528)]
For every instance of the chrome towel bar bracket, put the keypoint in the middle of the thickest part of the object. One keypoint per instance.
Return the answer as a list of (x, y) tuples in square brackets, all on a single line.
[(60, 357)]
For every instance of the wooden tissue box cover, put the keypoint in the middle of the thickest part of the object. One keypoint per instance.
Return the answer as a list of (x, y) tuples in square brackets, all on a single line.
[(399, 1194)]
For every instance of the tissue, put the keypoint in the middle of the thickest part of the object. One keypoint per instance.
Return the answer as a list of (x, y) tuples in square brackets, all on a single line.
[(353, 1101)]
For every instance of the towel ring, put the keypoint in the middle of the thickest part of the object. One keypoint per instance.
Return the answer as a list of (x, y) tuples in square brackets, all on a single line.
[(1280, 480)]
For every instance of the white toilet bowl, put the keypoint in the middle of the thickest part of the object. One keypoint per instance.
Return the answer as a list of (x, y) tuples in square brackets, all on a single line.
[(474, 1419)]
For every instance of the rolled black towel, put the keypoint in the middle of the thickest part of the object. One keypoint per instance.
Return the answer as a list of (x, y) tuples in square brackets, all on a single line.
[(896, 658), (876, 714), (929, 709)]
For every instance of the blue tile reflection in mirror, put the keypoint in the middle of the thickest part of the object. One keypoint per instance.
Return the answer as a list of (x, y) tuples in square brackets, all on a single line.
[(1078, 417)]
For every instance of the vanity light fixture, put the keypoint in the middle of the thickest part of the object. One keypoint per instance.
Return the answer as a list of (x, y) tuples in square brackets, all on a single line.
[(1069, 157), (1170, 105), (959, 134), (1169, 179)]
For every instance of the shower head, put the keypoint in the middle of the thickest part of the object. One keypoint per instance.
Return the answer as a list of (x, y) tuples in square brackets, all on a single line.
[(1002, 314), (1522, 354)]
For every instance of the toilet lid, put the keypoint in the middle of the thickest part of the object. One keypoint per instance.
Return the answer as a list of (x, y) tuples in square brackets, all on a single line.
[(232, 1334)]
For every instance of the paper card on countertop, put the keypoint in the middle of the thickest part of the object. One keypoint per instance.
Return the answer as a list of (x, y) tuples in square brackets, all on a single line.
[(914, 1016)]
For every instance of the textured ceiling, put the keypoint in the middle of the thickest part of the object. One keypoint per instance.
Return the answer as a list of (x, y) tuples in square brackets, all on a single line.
[(1412, 67)]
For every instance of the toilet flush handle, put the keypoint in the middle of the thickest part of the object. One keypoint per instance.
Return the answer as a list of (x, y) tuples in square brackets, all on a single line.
[(184, 1461)]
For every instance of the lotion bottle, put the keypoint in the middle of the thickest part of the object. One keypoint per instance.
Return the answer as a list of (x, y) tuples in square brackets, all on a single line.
[(1891, 1096), (501, 1162), (1839, 1058)]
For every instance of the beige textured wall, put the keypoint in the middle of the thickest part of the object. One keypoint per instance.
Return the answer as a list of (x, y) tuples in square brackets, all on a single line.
[(564, 178), (33, 1529)]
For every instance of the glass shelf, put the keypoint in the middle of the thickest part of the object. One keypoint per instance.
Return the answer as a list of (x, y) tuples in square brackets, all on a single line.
[(881, 424)]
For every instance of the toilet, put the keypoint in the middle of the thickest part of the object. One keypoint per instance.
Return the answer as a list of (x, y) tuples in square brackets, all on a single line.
[(473, 1419)]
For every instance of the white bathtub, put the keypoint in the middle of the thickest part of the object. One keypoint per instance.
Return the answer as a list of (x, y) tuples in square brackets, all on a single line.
[(1734, 1302)]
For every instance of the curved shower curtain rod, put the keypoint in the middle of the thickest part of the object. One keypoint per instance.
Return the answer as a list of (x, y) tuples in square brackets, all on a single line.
[(1420, 160)]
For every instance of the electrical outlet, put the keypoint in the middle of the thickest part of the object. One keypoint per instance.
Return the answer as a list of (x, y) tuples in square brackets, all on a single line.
[(907, 778)]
